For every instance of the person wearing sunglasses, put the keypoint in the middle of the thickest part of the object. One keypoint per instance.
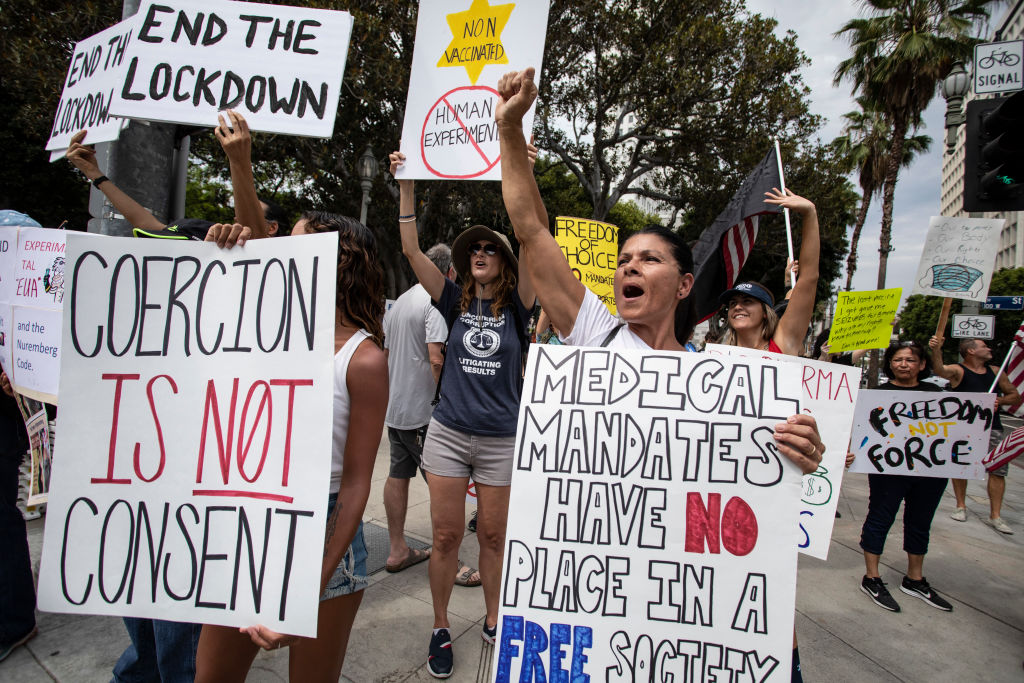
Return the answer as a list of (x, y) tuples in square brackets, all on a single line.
[(472, 429)]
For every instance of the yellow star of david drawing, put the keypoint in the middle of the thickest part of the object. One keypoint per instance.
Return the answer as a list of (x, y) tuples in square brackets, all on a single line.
[(476, 38)]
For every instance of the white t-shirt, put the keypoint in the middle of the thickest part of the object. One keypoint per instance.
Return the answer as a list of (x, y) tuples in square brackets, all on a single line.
[(409, 326), (342, 405), (594, 322)]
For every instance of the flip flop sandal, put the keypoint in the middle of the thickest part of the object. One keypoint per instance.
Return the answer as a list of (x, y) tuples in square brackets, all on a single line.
[(465, 575), (414, 557)]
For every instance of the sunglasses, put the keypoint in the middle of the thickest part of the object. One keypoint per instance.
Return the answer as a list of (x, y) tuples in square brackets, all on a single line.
[(489, 249)]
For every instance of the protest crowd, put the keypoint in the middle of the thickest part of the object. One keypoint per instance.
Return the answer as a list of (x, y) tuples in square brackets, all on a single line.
[(451, 373)]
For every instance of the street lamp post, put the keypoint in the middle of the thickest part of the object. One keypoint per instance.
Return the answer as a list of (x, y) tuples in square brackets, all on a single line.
[(367, 168), (954, 87)]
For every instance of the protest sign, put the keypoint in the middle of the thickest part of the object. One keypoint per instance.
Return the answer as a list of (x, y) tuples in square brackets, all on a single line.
[(829, 395), (863, 320), (591, 248), (96, 72), (36, 352), (280, 66), (926, 434), (7, 339), (192, 472), (651, 529), (958, 258), (462, 49), (8, 261), (39, 450), (39, 268)]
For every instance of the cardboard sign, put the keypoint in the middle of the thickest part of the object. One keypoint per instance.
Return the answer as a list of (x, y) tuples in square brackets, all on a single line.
[(970, 325), (39, 447), (650, 528), (95, 74), (829, 394), (922, 433), (958, 258), (193, 465), (462, 49), (863, 320), (591, 248), (280, 66)]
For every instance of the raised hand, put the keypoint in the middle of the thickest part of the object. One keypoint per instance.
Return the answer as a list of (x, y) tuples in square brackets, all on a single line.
[(516, 94), (83, 157), (790, 201), (233, 136)]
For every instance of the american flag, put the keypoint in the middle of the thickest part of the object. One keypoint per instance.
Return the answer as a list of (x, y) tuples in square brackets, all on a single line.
[(723, 248), (1008, 449), (1015, 370)]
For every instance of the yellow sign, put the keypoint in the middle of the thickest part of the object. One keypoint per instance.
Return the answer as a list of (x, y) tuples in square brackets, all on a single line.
[(476, 37), (864, 319), (591, 248)]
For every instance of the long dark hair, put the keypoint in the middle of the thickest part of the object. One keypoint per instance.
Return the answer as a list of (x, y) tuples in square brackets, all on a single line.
[(686, 310), (504, 285), (360, 276)]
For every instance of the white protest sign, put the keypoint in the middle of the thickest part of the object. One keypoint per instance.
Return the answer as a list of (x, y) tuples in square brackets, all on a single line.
[(462, 49), (39, 268), (96, 72), (999, 67), (36, 352), (279, 66), (970, 325), (958, 258), (651, 523), (829, 394), (191, 475), (922, 433), (8, 261)]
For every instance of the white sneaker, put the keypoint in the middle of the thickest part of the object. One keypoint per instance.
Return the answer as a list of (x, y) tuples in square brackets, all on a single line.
[(999, 525), (960, 515)]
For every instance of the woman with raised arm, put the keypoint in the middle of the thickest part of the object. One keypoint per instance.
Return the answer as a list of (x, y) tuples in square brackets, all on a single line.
[(472, 430), (652, 281), (360, 401)]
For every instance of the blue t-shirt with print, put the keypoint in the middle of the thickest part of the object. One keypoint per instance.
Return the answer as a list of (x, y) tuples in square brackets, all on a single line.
[(483, 367)]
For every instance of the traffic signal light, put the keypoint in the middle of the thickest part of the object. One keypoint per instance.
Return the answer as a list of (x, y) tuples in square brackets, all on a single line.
[(994, 159)]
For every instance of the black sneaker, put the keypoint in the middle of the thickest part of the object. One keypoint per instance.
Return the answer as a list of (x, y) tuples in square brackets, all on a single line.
[(921, 589), (489, 634), (440, 659), (876, 590)]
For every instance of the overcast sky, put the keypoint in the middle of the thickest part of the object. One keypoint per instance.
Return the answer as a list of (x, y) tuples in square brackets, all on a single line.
[(917, 192)]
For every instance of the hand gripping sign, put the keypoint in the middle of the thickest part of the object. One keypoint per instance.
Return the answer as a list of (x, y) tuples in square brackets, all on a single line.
[(462, 49)]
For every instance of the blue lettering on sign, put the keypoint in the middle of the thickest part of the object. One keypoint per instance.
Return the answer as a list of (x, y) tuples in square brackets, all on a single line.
[(529, 641)]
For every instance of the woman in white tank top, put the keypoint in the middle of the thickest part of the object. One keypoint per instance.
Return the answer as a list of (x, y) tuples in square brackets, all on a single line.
[(360, 400)]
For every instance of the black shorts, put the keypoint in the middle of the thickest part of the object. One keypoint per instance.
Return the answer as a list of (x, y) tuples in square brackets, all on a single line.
[(406, 451)]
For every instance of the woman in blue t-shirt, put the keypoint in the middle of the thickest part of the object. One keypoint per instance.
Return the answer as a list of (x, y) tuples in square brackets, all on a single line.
[(472, 430)]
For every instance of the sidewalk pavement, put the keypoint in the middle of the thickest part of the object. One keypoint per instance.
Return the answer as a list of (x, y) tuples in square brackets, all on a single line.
[(843, 635)]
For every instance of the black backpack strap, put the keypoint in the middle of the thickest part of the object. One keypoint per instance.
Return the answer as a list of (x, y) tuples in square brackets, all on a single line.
[(611, 335), (450, 319)]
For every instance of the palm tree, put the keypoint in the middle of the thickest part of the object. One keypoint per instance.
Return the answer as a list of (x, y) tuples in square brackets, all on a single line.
[(865, 144), (900, 53)]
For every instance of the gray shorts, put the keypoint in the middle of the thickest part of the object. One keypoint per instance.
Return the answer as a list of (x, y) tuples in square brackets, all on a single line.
[(406, 451), (994, 438), (450, 453)]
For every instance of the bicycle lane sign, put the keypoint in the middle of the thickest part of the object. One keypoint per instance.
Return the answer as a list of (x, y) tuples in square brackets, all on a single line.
[(999, 67), (974, 326)]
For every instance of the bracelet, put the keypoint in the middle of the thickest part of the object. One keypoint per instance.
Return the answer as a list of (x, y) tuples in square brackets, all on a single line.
[(99, 181), (407, 219), (411, 215)]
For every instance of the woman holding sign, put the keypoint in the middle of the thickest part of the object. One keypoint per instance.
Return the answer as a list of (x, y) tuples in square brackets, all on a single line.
[(905, 365), (360, 398), (473, 429)]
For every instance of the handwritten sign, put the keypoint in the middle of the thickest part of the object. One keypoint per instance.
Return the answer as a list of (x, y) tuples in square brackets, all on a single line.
[(863, 320), (926, 434), (958, 258), (591, 248), (829, 394), (39, 448), (462, 49), (651, 530), (8, 263), (96, 72), (970, 325), (280, 66), (192, 472)]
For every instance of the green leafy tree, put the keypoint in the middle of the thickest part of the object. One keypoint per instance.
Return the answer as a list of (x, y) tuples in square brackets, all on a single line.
[(865, 144)]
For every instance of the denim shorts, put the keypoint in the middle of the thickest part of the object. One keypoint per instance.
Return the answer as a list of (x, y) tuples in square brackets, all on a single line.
[(350, 575)]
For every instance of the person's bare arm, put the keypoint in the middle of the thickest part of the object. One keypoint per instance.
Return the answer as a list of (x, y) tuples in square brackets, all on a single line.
[(83, 158), (560, 293), (1010, 394), (857, 356), (427, 273), (436, 359), (954, 373), (234, 137), (793, 325)]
